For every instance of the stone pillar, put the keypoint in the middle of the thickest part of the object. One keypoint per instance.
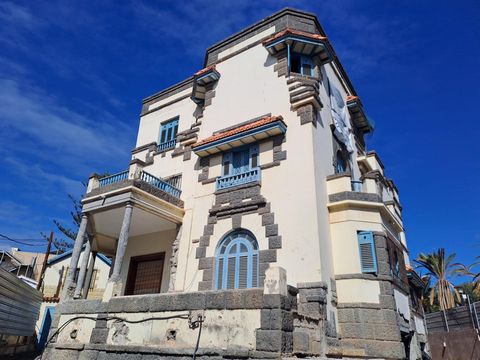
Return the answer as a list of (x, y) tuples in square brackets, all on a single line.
[(88, 280), (275, 334), (83, 270), (114, 286), (93, 182), (69, 286), (135, 169)]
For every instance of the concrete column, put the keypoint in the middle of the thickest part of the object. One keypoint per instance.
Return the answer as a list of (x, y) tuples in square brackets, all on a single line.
[(69, 286), (114, 285), (83, 270), (88, 279)]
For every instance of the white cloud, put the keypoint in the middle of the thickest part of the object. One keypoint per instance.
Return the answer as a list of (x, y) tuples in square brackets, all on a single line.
[(57, 129)]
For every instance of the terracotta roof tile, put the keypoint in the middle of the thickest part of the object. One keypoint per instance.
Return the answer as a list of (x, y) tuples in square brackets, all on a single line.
[(205, 70), (289, 31), (240, 129)]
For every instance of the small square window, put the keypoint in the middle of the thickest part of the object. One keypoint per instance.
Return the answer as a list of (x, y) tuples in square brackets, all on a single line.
[(301, 64)]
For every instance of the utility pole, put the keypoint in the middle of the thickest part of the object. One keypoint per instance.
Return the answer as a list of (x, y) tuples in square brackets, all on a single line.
[(44, 266)]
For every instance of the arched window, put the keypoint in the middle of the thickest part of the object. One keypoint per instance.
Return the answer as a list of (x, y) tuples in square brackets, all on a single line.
[(237, 261), (340, 163)]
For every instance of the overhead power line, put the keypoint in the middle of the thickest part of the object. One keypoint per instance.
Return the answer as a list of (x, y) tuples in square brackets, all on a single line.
[(22, 241)]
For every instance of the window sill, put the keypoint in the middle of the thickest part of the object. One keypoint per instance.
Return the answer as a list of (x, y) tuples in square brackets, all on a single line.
[(237, 187), (298, 75)]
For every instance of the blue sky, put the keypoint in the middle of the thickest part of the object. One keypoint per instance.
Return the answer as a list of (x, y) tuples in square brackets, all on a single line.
[(72, 76)]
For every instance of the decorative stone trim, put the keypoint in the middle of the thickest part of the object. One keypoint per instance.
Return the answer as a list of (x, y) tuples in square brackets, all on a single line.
[(174, 259), (151, 147), (286, 18), (373, 329), (234, 203), (164, 94), (354, 195), (145, 107), (185, 139), (307, 114)]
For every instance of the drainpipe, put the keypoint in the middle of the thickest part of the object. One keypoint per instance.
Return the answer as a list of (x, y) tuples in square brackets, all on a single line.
[(288, 58)]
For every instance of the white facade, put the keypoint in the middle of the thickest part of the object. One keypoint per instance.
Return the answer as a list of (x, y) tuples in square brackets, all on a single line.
[(276, 159)]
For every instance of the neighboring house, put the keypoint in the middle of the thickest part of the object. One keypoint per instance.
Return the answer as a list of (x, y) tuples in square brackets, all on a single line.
[(23, 264), (54, 281), (252, 204)]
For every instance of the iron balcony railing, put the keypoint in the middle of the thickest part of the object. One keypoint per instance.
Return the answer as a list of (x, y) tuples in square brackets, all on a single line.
[(146, 177), (227, 181), (160, 184), (107, 180), (167, 145)]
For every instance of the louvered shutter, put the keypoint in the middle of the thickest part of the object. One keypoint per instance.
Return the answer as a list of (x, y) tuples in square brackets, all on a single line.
[(231, 271), (243, 272), (226, 164), (253, 156), (368, 258), (254, 270), (220, 274)]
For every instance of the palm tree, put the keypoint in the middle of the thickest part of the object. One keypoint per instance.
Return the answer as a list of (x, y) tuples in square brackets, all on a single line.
[(439, 268), (467, 271)]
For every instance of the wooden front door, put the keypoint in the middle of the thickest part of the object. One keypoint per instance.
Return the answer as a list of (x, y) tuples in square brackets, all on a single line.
[(145, 274)]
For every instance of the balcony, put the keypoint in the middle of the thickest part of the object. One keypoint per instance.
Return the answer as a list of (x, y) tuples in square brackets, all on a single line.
[(166, 145), (224, 182), (137, 178), (371, 191), (151, 204)]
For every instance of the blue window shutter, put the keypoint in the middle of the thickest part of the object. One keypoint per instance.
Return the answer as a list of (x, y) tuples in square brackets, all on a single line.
[(368, 257), (237, 262), (227, 164), (307, 66), (168, 131), (253, 156)]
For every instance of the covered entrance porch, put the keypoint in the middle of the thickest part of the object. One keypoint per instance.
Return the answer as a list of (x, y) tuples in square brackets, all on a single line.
[(136, 223)]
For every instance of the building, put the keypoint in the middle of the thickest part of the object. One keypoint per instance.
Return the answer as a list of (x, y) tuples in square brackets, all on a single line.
[(92, 286), (24, 264), (252, 208)]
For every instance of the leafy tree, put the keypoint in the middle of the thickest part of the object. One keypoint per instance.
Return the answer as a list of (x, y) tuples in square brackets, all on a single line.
[(472, 290), (68, 233), (425, 296), (439, 268)]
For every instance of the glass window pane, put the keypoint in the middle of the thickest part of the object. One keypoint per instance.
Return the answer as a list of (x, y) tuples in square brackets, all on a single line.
[(307, 70), (243, 248)]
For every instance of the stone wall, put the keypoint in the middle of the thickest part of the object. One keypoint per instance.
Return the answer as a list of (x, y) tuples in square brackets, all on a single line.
[(368, 329), (243, 323)]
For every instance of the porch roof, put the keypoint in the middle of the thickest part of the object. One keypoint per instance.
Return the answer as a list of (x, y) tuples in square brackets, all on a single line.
[(68, 253), (300, 42), (260, 129)]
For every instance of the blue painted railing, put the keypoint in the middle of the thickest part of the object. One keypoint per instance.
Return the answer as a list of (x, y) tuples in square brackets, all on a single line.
[(160, 184), (113, 178), (167, 145), (357, 185), (227, 181)]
